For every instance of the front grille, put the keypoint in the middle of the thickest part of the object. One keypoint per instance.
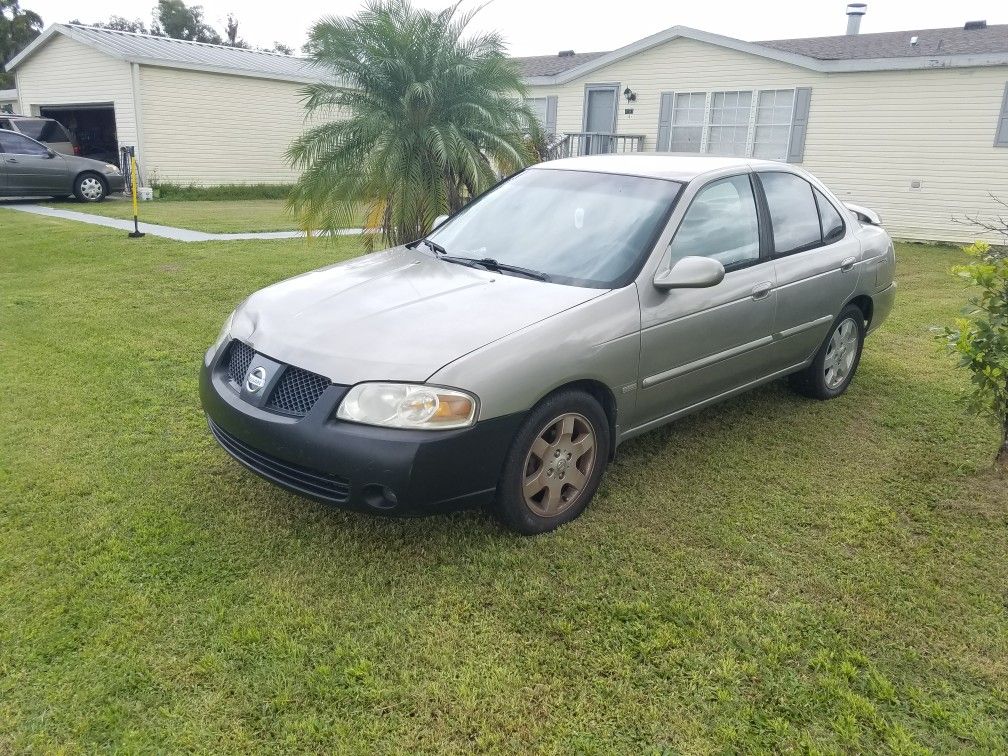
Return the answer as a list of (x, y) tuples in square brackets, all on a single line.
[(297, 391), (239, 358), (309, 482)]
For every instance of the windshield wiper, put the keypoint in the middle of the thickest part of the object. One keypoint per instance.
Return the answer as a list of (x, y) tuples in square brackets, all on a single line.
[(488, 263), (437, 248)]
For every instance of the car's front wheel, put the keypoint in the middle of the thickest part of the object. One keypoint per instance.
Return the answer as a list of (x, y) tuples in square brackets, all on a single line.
[(90, 187), (555, 463), (837, 360)]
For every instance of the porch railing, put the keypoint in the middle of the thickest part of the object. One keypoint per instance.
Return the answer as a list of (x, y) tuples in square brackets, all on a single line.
[(594, 143)]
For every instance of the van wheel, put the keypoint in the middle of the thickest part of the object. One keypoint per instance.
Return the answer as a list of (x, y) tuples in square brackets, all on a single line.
[(555, 463), (90, 187), (837, 360)]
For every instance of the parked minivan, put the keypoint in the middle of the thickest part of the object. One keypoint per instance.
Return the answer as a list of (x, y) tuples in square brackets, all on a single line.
[(49, 132)]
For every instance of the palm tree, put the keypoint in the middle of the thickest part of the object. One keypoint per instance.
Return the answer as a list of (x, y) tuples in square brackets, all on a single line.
[(421, 119)]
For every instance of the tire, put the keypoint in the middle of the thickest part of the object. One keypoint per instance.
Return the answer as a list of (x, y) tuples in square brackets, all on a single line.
[(90, 187), (832, 371), (563, 448)]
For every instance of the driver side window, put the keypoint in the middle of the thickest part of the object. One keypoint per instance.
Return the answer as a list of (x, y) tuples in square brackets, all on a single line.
[(15, 144), (720, 223)]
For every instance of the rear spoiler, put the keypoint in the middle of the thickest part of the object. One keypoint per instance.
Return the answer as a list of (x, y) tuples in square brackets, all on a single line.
[(864, 214)]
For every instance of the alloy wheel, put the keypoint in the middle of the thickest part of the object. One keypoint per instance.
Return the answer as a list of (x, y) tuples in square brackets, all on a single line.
[(559, 465), (840, 353)]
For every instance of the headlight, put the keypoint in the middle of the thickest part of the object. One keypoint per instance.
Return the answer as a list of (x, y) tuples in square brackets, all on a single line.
[(109, 168), (408, 405)]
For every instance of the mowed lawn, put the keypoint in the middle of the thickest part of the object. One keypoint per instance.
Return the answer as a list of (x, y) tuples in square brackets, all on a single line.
[(232, 216), (771, 574)]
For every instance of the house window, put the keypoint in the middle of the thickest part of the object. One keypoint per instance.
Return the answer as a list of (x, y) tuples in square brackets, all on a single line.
[(688, 121), (762, 123), (538, 106), (728, 133), (773, 124)]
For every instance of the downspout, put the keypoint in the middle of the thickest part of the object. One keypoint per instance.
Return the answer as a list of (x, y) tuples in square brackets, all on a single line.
[(137, 109)]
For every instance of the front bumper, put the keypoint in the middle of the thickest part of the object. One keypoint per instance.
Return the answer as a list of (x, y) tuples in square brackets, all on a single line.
[(116, 182), (386, 470)]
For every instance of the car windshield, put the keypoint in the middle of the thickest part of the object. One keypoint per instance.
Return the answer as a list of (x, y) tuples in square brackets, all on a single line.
[(577, 227)]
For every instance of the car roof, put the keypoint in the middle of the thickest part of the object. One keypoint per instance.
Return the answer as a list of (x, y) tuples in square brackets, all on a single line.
[(671, 166)]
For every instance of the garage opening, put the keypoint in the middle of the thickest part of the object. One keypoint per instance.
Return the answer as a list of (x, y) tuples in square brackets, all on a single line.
[(93, 128)]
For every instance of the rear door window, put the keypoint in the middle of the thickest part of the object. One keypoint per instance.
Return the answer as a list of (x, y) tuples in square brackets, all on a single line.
[(793, 212)]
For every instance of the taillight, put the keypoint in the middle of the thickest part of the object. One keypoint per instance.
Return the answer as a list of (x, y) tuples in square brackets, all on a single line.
[(76, 149)]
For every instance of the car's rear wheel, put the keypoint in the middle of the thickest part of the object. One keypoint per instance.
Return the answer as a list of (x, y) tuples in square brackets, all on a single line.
[(555, 463), (837, 360), (90, 187)]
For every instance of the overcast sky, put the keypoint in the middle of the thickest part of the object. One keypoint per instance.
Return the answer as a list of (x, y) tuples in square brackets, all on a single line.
[(540, 27)]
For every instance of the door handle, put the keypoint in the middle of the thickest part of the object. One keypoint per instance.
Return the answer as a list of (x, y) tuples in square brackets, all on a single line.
[(848, 264), (762, 290), (11, 160)]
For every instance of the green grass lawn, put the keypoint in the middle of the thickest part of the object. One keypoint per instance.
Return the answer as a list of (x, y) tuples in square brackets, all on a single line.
[(228, 216), (771, 574)]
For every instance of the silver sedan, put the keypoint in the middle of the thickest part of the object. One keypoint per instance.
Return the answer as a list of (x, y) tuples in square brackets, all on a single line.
[(502, 360)]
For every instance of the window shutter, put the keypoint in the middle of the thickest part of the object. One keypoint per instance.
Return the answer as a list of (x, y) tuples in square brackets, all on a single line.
[(799, 124), (665, 122), (1001, 135), (551, 113)]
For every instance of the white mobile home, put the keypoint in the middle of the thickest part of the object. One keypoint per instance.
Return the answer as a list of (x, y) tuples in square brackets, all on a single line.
[(913, 124)]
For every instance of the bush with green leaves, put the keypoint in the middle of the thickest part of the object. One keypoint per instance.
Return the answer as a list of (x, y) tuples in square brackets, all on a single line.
[(980, 337), (417, 116)]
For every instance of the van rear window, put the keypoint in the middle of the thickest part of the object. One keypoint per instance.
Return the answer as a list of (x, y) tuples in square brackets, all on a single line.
[(43, 129)]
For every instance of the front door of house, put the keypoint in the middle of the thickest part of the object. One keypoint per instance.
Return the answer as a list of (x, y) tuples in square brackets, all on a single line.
[(599, 118)]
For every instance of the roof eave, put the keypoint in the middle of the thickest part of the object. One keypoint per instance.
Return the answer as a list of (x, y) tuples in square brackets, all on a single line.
[(751, 48), (202, 67)]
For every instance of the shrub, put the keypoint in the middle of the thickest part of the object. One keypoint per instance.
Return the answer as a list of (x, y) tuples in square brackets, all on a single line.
[(980, 337), (168, 191)]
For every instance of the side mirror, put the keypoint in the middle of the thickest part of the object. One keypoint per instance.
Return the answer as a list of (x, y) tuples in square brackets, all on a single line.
[(438, 221), (691, 273), (50, 154)]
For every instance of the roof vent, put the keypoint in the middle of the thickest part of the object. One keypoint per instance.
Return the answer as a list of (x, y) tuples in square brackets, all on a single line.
[(913, 40), (973, 25), (855, 11), (566, 53)]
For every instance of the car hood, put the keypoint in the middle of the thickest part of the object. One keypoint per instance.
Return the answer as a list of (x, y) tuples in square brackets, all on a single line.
[(400, 314), (76, 163)]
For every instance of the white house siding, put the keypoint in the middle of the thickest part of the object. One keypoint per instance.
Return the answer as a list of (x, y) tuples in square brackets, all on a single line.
[(66, 72), (205, 128), (869, 134)]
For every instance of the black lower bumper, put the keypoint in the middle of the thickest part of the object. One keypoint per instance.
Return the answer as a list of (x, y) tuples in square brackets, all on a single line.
[(391, 471)]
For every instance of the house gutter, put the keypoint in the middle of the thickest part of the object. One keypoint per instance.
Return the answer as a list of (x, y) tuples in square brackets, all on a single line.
[(137, 118)]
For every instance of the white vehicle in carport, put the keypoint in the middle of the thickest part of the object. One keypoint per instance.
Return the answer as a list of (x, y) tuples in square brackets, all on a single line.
[(501, 360)]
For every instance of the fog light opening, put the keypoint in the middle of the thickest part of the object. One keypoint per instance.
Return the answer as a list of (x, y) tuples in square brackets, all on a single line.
[(380, 497)]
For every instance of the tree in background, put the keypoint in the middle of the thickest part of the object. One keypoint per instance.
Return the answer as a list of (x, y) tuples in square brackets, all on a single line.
[(117, 23), (17, 29), (231, 33), (175, 19), (172, 18), (427, 119)]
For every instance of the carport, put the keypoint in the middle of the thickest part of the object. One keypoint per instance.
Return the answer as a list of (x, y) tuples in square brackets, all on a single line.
[(93, 126)]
